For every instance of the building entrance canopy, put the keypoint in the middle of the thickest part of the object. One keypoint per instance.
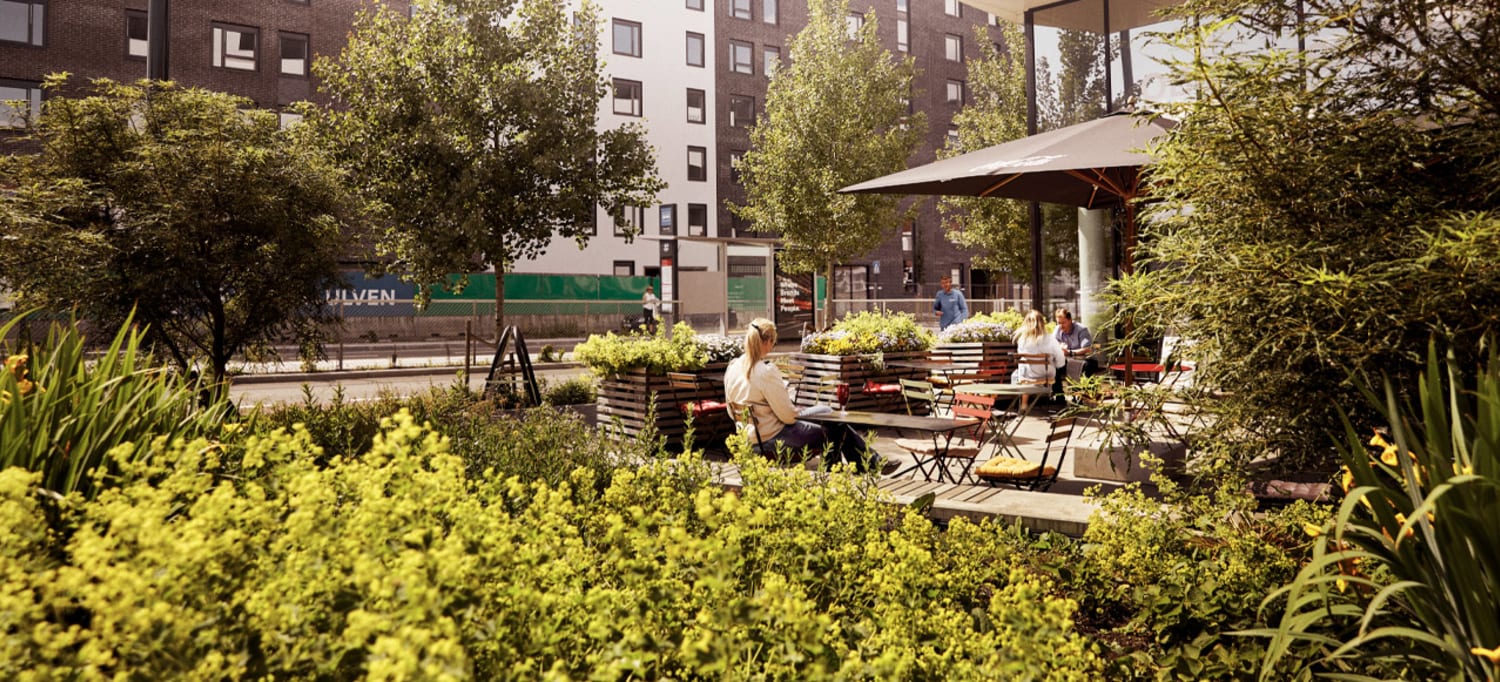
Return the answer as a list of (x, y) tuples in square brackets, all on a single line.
[(1087, 15)]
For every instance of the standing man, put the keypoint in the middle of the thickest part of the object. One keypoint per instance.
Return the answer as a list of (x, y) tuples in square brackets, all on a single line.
[(1076, 342), (650, 309), (949, 304)]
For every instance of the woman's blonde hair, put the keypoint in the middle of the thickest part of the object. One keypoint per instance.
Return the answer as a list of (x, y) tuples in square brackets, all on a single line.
[(1033, 327), (760, 338)]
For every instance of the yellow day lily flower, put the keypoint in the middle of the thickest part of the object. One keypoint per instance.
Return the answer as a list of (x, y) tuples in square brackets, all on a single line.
[(1493, 655), (1465, 470), (25, 385), (1388, 456), (1342, 584), (1348, 480), (1312, 529), (14, 361), (1378, 440)]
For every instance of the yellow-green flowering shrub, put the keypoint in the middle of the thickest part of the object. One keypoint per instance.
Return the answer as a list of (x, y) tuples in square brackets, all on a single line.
[(870, 332), (395, 565), (611, 354)]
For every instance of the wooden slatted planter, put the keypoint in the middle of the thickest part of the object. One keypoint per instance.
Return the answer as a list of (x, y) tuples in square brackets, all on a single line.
[(855, 370), (968, 355), (625, 397)]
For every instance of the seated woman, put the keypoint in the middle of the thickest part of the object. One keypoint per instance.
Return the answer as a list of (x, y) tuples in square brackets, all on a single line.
[(1033, 339), (753, 382)]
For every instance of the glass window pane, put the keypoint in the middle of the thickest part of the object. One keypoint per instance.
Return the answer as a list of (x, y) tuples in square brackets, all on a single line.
[(695, 105), (768, 11), (772, 57), (294, 54), (695, 49), (740, 9), (15, 21), (627, 38), (135, 34)]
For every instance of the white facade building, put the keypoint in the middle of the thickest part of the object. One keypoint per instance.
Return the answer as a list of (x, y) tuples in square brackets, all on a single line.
[(659, 58)]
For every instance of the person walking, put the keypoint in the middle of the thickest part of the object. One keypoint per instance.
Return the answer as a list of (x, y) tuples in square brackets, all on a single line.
[(650, 309), (949, 304)]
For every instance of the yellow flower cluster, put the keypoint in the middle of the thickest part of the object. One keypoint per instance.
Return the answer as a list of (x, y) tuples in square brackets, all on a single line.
[(15, 365)]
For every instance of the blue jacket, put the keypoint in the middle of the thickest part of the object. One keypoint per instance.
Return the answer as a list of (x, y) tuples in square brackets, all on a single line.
[(953, 307)]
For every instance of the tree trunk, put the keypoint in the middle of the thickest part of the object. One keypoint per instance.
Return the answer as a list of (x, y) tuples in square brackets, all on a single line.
[(827, 295), (499, 303)]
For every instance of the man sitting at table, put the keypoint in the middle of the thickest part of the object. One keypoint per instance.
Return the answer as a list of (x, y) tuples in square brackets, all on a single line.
[(1076, 342), (754, 382)]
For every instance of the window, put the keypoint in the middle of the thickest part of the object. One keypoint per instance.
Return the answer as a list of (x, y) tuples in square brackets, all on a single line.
[(740, 9), (136, 29), (293, 54), (903, 35), (695, 105), (955, 92), (627, 38), (11, 91), (697, 164), (901, 6), (771, 56), (994, 19), (695, 4), (627, 97), (23, 21), (626, 268), (735, 159), (695, 49), (740, 57), (697, 220), (668, 221), (953, 48), (854, 22), (235, 47), (952, 133), (952, 9), (768, 11), (631, 222), (741, 111)]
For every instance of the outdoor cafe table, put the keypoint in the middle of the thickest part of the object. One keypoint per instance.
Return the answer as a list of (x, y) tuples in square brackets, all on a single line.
[(940, 428), (1006, 434), (943, 367)]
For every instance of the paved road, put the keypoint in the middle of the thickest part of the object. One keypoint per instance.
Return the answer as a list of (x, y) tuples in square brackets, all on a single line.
[(363, 386)]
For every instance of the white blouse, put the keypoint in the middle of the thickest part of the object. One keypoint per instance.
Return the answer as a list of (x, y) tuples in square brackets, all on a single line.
[(764, 392)]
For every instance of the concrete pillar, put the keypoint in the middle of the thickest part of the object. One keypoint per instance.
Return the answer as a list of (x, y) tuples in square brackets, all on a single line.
[(1093, 264)]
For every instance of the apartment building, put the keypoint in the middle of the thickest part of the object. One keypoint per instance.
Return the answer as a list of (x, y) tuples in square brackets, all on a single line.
[(693, 72)]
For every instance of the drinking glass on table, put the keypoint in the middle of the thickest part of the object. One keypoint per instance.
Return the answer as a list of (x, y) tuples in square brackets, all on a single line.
[(841, 394)]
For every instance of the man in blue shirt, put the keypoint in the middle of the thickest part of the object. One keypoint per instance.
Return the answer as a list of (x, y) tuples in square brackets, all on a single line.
[(950, 304), (1076, 342)]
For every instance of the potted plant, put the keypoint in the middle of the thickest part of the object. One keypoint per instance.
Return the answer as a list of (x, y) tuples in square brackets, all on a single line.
[(863, 348), (985, 339), (632, 371)]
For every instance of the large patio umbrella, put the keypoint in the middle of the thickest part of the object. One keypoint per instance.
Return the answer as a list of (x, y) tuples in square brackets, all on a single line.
[(1093, 165)]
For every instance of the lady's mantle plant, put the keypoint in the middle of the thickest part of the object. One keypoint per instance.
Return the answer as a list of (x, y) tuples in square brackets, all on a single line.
[(682, 351), (870, 332)]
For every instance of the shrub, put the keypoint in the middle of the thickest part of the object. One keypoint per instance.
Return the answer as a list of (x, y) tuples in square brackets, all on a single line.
[(60, 413), (870, 332), (574, 391), (547, 354), (395, 564), (610, 354), (721, 348)]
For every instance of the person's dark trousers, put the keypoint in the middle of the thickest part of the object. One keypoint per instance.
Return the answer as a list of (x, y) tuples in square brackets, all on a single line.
[(847, 446)]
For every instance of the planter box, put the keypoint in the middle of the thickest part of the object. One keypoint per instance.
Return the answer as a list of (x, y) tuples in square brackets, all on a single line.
[(967, 356), (1123, 463), (624, 398), (855, 370)]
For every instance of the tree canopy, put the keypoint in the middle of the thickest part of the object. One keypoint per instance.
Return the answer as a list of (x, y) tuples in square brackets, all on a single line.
[(1323, 214), (218, 228), (474, 122), (832, 118)]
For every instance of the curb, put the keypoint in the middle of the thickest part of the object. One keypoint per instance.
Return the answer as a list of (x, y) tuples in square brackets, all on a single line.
[(334, 376)]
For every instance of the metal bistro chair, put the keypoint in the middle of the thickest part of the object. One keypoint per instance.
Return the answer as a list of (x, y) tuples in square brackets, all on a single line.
[(964, 445), (1024, 473), (919, 396), (1040, 363)]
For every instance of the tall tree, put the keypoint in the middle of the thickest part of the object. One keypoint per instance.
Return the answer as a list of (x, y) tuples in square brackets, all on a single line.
[(1324, 214), (837, 114), (218, 228), (475, 123)]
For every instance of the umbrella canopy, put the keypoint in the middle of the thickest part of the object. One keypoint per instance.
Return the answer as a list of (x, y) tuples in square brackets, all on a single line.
[(1093, 165)]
